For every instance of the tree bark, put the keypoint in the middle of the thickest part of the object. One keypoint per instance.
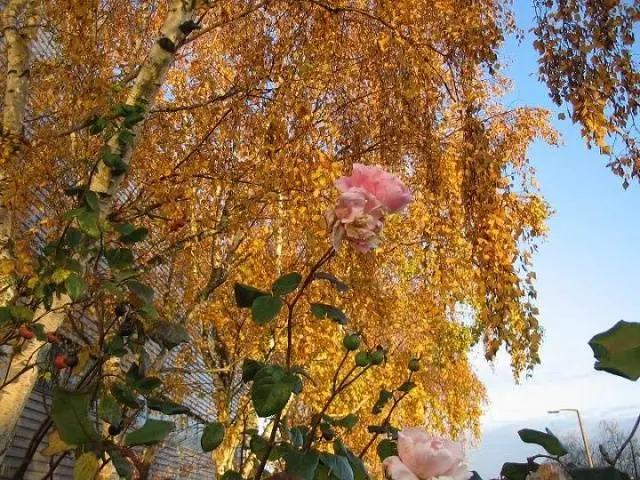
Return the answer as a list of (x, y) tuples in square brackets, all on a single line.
[(106, 182)]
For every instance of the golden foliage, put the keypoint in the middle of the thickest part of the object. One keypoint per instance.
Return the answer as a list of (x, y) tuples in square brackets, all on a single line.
[(267, 105)]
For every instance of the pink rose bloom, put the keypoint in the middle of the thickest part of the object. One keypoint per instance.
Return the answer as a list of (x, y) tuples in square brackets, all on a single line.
[(386, 188), (366, 198), (427, 457)]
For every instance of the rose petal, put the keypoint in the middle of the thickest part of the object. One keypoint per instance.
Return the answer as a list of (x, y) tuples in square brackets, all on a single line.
[(398, 470)]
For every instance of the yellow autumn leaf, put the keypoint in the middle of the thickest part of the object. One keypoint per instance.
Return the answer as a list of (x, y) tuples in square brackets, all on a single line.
[(55, 445), (86, 467)]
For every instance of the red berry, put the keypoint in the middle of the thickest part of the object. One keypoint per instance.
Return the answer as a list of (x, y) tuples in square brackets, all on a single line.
[(26, 332), (59, 361), (52, 337)]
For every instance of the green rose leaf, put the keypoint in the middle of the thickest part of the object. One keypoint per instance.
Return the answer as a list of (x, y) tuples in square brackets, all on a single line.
[(125, 396), (119, 258), (169, 334), (387, 448), (109, 410), (88, 223), (212, 436), (547, 440), (407, 386), (135, 236), (122, 465), (338, 466), (70, 414), (322, 310), (144, 292), (92, 201), (153, 431), (270, 391), (231, 475), (336, 282), (617, 350), (286, 283), (265, 309), (75, 286), (246, 294), (517, 471), (357, 465), (249, 369), (349, 421), (302, 464), (167, 407)]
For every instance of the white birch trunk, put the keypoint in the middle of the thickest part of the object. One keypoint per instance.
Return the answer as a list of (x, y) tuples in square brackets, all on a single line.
[(147, 85)]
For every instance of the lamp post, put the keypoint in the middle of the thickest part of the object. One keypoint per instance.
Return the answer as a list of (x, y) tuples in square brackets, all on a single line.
[(584, 434)]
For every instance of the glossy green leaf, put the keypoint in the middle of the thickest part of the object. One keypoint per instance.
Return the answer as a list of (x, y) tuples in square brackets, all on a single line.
[(109, 410), (601, 473), (336, 282), (70, 414), (88, 223), (547, 440), (339, 466), (167, 407), (75, 286), (136, 235), (617, 350), (153, 431), (265, 309), (212, 436), (270, 391), (322, 310), (286, 283), (119, 258), (250, 368), (246, 294), (387, 448), (302, 464), (123, 466), (517, 471)]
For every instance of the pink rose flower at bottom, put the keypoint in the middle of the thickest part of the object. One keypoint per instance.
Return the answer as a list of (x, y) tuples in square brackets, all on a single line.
[(424, 457)]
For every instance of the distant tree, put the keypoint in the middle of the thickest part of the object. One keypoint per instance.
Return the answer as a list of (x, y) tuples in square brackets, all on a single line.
[(603, 448)]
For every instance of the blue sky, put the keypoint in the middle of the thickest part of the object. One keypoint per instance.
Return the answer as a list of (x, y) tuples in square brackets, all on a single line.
[(588, 272)]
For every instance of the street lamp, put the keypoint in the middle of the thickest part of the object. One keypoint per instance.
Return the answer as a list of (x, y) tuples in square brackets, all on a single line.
[(584, 434)]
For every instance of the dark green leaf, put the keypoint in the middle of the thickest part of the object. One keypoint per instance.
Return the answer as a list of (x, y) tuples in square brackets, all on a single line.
[(349, 421), (125, 137), (548, 441), (5, 316), (167, 407), (88, 223), (212, 436), (339, 466), (383, 398), (126, 396), (125, 228), (336, 282), (119, 258), (387, 448), (140, 290), (115, 346), (73, 237), (148, 384), (258, 445), (302, 464), (617, 350), (98, 125), (286, 283), (22, 314), (92, 201), (153, 431), (123, 466), (322, 310), (265, 309), (113, 161), (246, 294), (169, 334), (270, 392), (298, 435), (38, 329), (132, 119), (231, 475), (249, 369), (75, 286), (109, 410), (517, 471), (70, 414), (137, 235), (407, 386), (357, 465)]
